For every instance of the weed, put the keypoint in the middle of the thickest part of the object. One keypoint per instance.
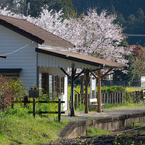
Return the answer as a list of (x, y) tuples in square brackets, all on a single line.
[(90, 117), (97, 132), (81, 107)]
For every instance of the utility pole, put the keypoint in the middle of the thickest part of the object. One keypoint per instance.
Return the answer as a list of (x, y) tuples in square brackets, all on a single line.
[(26, 7)]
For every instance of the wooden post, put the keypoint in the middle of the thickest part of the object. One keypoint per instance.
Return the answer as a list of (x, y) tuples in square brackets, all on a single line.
[(141, 94), (136, 96), (79, 99), (122, 97), (25, 101), (99, 90), (34, 107), (76, 101), (112, 97), (12, 103), (86, 90), (3, 102), (104, 97), (107, 98), (72, 112), (59, 109)]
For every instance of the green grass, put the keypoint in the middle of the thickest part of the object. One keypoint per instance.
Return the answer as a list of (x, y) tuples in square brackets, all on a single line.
[(80, 107), (125, 105), (20, 127), (97, 132), (117, 106)]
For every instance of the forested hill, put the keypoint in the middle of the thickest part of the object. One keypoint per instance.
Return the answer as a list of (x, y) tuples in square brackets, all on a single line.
[(126, 7), (17, 6), (130, 14)]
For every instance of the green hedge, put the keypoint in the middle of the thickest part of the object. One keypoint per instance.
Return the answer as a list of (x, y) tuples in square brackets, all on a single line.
[(111, 89)]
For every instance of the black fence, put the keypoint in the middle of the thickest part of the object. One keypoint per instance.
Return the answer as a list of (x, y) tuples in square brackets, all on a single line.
[(59, 112), (112, 98)]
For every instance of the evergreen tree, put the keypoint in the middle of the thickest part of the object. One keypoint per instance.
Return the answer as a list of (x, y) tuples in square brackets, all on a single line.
[(140, 16), (121, 20), (131, 21), (112, 11)]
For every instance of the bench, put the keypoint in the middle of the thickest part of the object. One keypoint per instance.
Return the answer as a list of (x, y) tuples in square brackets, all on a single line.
[(93, 102)]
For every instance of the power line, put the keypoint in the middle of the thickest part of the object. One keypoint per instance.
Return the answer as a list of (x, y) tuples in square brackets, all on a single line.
[(17, 50), (136, 35)]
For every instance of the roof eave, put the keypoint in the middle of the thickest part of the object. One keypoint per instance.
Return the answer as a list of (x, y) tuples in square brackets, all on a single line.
[(115, 67), (59, 45), (21, 32), (68, 58)]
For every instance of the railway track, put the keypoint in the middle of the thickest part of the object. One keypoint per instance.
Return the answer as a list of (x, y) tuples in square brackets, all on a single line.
[(117, 136), (134, 136)]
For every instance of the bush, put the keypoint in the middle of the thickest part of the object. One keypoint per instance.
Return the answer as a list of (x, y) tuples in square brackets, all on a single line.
[(104, 89), (17, 111), (111, 89), (19, 89), (80, 107), (6, 93)]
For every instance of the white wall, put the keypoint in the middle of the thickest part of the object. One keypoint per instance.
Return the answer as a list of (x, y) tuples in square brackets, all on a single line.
[(25, 58), (55, 72), (142, 81)]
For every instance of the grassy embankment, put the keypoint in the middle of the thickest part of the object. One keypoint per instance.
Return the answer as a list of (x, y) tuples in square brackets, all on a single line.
[(19, 127)]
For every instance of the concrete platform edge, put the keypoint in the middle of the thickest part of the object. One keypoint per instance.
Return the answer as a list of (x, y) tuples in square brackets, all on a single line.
[(79, 128)]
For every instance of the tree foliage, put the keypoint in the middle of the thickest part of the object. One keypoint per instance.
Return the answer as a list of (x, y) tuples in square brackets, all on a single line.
[(92, 34), (136, 65), (17, 6), (6, 93), (130, 15)]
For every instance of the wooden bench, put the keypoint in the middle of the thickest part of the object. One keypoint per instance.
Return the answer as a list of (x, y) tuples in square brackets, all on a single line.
[(93, 102)]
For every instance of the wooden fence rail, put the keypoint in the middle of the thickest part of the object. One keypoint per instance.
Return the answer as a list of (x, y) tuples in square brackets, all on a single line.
[(112, 98), (59, 112)]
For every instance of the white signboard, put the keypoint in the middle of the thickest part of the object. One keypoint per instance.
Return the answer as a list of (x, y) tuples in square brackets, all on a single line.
[(93, 84)]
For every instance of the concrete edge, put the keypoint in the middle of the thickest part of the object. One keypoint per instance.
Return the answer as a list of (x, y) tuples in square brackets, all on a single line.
[(82, 125)]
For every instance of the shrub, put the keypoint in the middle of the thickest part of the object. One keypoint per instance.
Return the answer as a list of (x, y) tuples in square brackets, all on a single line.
[(80, 107), (17, 111), (19, 89), (6, 93), (111, 89)]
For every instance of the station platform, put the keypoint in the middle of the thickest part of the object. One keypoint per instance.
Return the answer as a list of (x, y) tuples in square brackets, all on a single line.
[(107, 120)]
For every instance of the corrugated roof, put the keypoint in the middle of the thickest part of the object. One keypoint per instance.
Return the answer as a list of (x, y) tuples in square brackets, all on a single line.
[(32, 31), (80, 58)]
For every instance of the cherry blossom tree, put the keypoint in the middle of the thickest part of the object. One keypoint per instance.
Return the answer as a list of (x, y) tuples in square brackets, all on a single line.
[(92, 34)]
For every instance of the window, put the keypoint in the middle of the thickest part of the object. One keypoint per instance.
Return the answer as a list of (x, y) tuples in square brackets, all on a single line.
[(54, 85)]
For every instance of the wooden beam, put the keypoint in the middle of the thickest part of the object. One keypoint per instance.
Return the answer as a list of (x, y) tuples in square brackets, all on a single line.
[(99, 90), (94, 75), (106, 73), (86, 74), (65, 72), (79, 74)]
